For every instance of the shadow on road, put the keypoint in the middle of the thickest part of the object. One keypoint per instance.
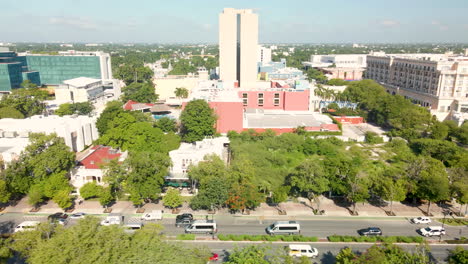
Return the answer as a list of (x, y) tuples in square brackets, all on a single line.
[(328, 258), (7, 227)]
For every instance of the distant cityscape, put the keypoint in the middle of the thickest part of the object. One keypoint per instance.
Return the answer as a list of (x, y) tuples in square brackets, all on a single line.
[(234, 138)]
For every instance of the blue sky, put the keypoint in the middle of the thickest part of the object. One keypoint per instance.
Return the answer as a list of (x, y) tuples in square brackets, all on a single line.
[(292, 21)]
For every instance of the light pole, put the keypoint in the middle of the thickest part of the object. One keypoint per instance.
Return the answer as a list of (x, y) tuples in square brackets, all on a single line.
[(443, 224)]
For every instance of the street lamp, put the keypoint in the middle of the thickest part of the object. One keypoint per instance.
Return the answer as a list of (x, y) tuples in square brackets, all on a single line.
[(443, 223)]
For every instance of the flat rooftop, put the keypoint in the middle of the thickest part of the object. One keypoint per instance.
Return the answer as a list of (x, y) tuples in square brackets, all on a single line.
[(256, 118)]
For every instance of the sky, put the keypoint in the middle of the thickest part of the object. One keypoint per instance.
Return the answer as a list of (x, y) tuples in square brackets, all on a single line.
[(196, 21)]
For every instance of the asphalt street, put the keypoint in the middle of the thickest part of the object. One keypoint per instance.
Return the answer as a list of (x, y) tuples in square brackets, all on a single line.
[(239, 225), (327, 251)]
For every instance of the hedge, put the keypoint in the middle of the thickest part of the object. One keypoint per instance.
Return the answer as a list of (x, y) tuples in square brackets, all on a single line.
[(384, 239), (185, 237), (285, 238)]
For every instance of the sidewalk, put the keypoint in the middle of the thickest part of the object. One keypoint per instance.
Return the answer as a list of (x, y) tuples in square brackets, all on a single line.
[(302, 209)]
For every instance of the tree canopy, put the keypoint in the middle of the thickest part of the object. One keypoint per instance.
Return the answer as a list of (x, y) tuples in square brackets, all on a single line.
[(139, 92), (198, 121)]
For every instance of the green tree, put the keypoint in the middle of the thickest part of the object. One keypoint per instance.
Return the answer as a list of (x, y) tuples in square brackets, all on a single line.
[(36, 195), (345, 256), (212, 194), (140, 92), (27, 101), (310, 178), (64, 109), (105, 197), (314, 74), (459, 185), (391, 186), (28, 84), (172, 199), (433, 184), (167, 124), (248, 255), (112, 109), (63, 199), (90, 190), (10, 112), (439, 130), (198, 121), (146, 175), (181, 92), (4, 192), (458, 255)]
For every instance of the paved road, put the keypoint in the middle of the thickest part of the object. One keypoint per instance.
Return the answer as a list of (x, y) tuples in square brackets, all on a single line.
[(327, 251), (321, 228), (238, 225)]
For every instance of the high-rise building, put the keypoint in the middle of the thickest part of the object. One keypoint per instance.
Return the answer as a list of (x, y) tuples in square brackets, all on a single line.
[(238, 51), (436, 81), (264, 54)]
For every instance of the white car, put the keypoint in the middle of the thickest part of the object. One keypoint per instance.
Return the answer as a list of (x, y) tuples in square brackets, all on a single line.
[(77, 216), (432, 231), (302, 250), (421, 220)]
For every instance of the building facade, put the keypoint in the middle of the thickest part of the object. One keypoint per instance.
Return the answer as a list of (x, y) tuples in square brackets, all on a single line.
[(14, 70), (436, 81), (238, 45), (54, 69), (77, 131)]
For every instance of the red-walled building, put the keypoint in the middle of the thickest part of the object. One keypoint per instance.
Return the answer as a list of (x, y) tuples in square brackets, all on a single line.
[(278, 99)]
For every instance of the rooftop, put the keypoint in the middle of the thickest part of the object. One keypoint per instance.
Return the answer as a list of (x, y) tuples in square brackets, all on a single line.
[(258, 118), (81, 81), (100, 155)]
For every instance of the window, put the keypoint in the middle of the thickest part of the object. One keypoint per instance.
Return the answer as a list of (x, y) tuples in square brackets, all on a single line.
[(276, 99), (260, 102), (260, 95), (245, 99)]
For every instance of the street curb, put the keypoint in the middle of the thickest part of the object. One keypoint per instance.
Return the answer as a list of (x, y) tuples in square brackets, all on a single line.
[(318, 242)]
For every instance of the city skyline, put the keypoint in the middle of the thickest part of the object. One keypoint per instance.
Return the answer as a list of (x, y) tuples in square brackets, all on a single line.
[(336, 21)]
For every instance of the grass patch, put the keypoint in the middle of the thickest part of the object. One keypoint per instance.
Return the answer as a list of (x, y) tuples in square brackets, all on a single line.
[(453, 222), (185, 237), (269, 238), (373, 239)]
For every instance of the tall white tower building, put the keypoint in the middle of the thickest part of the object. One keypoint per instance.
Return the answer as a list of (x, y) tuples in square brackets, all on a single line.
[(238, 40)]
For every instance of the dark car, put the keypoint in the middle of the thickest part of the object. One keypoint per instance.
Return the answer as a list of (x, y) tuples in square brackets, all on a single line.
[(57, 216), (184, 220), (370, 231)]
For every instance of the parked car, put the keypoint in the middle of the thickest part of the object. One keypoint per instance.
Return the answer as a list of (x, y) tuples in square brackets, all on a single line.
[(26, 226), (202, 226), (131, 228), (57, 216), (302, 250), (183, 220), (370, 231), (432, 231), (62, 221), (421, 220), (77, 216), (154, 215), (284, 228), (113, 219)]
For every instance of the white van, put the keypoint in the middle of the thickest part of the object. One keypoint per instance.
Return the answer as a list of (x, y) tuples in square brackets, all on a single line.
[(432, 231), (154, 215), (131, 228), (202, 226), (26, 226), (113, 219), (302, 250), (284, 227)]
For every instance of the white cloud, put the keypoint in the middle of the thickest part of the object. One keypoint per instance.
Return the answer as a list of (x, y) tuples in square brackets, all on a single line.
[(439, 25), (75, 22)]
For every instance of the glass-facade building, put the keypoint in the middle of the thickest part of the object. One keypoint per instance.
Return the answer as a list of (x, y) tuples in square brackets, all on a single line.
[(56, 69), (51, 69), (14, 70)]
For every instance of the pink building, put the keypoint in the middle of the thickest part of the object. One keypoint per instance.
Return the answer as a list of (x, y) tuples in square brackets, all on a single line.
[(229, 116), (275, 99)]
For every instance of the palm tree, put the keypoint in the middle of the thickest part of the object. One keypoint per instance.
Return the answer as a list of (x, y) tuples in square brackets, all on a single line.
[(181, 92)]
